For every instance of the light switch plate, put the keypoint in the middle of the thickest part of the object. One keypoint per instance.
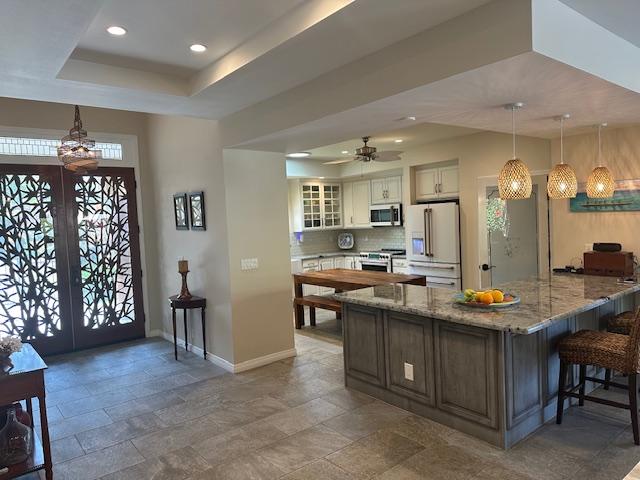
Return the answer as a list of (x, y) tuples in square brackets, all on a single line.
[(408, 371), (249, 264)]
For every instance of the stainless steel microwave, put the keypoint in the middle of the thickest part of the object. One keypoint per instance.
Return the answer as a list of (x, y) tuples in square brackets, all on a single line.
[(386, 215)]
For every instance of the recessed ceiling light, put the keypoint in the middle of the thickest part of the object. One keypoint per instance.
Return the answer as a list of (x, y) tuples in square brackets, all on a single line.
[(117, 30), (398, 140), (198, 48), (411, 117), (298, 154), (320, 178), (345, 152)]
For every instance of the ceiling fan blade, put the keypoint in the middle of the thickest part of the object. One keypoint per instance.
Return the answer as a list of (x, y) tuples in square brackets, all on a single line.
[(338, 162), (387, 156)]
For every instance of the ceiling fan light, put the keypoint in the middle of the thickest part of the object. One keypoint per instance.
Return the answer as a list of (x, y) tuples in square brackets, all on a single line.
[(514, 181), (600, 183), (562, 182)]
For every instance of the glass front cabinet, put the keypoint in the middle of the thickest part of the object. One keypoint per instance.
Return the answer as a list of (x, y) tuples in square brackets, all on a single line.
[(321, 206)]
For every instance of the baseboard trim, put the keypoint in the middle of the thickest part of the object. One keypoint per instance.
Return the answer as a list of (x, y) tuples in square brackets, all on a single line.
[(221, 362)]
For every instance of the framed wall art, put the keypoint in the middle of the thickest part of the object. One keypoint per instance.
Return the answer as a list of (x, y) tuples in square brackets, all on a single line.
[(180, 211), (196, 205)]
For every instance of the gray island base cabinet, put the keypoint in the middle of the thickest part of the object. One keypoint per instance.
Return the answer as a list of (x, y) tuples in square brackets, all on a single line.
[(471, 370)]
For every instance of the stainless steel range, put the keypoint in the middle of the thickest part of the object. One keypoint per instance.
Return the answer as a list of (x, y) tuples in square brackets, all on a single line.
[(380, 260)]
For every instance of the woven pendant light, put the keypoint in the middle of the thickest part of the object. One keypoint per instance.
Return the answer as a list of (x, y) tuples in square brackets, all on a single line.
[(600, 183), (514, 181), (77, 151), (562, 182)]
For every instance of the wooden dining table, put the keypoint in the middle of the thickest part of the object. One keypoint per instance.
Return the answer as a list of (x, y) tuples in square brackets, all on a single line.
[(341, 280)]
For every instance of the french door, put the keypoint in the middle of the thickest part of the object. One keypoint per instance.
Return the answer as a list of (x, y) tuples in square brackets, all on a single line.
[(70, 273)]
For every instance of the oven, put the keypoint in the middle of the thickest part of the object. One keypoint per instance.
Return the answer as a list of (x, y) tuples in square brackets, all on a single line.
[(375, 261), (375, 266)]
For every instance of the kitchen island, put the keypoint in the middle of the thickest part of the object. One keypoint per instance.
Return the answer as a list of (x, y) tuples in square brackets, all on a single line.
[(492, 374)]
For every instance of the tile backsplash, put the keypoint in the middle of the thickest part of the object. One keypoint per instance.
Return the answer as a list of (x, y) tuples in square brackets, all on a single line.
[(327, 240)]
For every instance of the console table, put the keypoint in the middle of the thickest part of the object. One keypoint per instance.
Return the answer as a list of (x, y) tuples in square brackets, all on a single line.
[(185, 304), (25, 381)]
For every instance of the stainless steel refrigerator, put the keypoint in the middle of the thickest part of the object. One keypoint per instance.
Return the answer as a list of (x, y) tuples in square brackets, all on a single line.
[(433, 243)]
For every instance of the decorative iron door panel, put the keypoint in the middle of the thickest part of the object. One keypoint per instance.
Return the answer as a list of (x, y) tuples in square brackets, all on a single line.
[(34, 293), (105, 261)]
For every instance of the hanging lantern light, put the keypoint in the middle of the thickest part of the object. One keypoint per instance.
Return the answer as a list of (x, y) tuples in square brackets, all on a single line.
[(600, 183), (514, 181), (562, 182), (76, 150)]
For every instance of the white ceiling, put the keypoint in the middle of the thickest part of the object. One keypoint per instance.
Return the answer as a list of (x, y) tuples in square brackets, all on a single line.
[(257, 48), (411, 136), (475, 100), (160, 31)]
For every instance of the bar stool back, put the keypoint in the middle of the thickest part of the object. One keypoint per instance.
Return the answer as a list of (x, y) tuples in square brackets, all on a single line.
[(606, 350)]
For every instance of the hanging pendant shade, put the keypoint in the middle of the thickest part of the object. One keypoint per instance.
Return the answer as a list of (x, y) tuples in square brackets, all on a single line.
[(600, 183), (514, 181), (76, 150), (562, 182)]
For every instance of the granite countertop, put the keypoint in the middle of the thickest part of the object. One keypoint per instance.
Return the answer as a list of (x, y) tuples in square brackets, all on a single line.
[(543, 301), (338, 253)]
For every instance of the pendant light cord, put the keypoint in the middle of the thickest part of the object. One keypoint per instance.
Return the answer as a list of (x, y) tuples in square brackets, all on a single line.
[(513, 129), (599, 146), (561, 140)]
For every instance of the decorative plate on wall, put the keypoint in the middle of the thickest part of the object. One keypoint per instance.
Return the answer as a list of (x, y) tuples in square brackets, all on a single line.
[(345, 240)]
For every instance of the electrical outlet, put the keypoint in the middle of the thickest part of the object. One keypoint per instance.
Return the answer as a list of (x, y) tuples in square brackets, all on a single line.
[(249, 264), (408, 371)]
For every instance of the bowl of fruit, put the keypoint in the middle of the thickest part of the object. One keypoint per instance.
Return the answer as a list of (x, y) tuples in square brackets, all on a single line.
[(489, 299)]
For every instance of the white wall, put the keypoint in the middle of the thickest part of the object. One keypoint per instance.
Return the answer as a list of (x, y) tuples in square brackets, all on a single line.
[(186, 156), (257, 227)]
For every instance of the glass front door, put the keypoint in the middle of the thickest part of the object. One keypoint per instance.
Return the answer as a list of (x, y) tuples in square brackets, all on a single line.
[(70, 273)]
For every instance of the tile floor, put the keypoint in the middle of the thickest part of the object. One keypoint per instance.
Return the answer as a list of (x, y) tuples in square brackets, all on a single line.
[(130, 411)]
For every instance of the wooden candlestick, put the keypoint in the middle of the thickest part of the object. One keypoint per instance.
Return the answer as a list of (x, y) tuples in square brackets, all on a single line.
[(184, 291)]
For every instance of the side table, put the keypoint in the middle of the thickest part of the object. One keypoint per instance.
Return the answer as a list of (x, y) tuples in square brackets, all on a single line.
[(25, 381), (185, 304)]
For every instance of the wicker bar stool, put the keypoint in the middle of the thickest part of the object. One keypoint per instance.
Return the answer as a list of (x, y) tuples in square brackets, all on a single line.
[(607, 350), (620, 323)]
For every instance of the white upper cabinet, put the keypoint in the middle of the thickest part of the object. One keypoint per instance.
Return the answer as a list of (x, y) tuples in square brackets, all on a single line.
[(356, 204), (449, 181), (435, 183), (386, 190), (426, 184), (315, 206)]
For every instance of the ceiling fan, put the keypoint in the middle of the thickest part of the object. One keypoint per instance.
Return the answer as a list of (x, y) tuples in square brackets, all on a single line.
[(368, 154)]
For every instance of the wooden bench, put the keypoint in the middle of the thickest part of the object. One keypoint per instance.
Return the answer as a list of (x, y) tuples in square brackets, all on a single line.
[(317, 301)]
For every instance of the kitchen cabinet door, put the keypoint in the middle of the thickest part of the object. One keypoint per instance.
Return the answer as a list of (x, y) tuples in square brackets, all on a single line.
[(347, 204), (378, 191), (360, 204), (310, 266), (332, 206), (448, 181), (386, 190), (348, 263), (339, 262), (311, 206), (326, 264), (394, 189), (426, 184)]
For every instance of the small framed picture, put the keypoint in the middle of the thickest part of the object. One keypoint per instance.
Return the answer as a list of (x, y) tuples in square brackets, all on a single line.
[(196, 205), (180, 211)]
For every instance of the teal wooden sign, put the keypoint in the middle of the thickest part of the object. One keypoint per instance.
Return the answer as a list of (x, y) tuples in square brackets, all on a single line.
[(626, 198)]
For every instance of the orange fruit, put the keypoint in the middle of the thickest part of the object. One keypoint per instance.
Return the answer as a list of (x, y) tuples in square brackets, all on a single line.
[(498, 296), (486, 298)]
